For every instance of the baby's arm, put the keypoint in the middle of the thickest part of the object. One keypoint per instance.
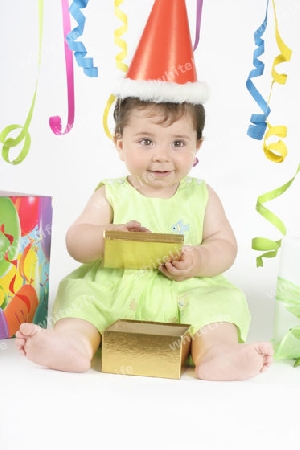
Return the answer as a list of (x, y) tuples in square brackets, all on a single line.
[(84, 239), (217, 251)]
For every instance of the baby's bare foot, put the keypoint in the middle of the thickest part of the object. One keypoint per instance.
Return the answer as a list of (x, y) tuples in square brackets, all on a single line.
[(52, 349), (234, 362)]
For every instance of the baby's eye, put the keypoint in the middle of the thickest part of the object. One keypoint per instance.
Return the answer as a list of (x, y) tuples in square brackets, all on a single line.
[(145, 141), (178, 143)]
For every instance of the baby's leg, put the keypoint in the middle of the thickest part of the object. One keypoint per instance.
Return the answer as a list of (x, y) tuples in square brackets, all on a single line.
[(69, 347), (218, 355)]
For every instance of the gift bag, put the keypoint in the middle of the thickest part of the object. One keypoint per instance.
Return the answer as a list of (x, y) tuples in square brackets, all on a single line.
[(25, 241), (287, 302)]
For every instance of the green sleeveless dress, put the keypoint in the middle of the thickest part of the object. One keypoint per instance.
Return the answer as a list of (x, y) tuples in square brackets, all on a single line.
[(102, 296)]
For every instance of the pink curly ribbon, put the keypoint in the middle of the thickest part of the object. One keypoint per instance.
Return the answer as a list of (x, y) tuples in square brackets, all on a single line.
[(55, 121)]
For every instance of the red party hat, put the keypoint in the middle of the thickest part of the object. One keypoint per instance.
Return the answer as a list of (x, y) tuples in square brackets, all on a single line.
[(163, 68)]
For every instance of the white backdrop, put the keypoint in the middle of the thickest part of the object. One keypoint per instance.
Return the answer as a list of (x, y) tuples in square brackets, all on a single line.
[(69, 167)]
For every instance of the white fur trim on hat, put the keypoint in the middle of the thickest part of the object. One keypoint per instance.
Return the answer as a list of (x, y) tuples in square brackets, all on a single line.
[(163, 91)]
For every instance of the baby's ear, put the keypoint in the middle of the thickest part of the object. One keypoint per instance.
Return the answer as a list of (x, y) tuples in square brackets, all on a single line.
[(199, 143), (118, 141)]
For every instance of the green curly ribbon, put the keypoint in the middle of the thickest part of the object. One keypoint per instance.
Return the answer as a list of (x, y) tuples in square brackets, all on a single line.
[(270, 247), (24, 134), (289, 347)]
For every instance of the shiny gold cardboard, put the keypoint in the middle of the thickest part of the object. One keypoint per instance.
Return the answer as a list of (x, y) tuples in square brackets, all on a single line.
[(153, 349), (139, 250)]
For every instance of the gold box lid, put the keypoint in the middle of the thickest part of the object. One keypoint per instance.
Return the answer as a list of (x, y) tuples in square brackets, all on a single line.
[(148, 327), (140, 250)]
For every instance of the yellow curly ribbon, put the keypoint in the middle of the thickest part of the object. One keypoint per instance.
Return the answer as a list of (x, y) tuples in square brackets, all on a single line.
[(118, 33), (277, 151), (119, 59), (108, 105), (284, 56), (263, 244)]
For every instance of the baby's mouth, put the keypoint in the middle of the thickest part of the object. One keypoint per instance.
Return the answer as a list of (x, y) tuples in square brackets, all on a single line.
[(160, 171)]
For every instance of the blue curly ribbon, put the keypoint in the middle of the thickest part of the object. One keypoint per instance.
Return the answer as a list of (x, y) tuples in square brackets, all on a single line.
[(78, 48), (259, 121)]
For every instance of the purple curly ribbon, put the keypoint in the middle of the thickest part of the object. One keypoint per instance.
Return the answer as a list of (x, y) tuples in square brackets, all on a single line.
[(198, 23)]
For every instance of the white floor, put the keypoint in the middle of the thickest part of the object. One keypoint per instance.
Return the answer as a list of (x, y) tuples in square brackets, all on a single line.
[(44, 409)]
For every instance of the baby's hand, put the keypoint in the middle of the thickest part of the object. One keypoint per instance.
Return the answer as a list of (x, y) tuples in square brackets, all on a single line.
[(132, 225), (183, 268)]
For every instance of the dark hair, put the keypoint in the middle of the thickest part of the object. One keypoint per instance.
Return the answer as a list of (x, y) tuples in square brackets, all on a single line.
[(171, 112)]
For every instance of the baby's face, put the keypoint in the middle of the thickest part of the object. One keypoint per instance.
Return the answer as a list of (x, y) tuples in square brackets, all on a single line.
[(157, 155)]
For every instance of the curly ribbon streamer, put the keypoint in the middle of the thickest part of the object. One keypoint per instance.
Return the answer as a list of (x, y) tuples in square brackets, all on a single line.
[(263, 244), (118, 33), (198, 23), (119, 59), (289, 346), (259, 121), (107, 108), (55, 121), (78, 48), (24, 135), (275, 151)]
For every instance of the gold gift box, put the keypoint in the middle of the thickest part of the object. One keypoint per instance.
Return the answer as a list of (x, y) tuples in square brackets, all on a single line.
[(140, 250), (153, 349)]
